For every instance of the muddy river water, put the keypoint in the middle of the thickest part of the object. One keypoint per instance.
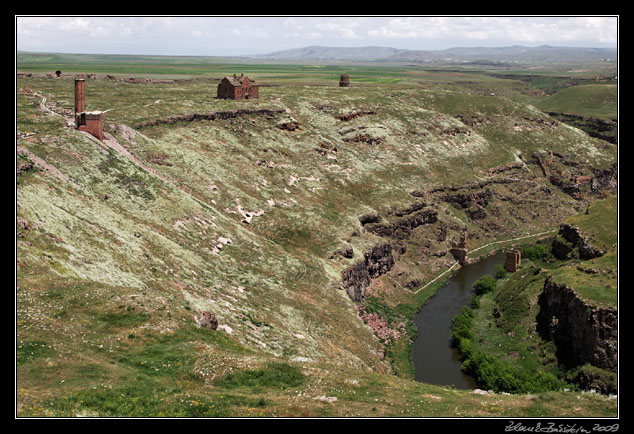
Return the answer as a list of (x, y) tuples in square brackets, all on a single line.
[(435, 361)]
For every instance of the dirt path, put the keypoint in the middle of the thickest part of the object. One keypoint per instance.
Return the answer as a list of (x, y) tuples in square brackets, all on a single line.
[(112, 143), (43, 164)]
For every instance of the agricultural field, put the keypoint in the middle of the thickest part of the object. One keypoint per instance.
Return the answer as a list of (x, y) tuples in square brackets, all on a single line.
[(252, 210)]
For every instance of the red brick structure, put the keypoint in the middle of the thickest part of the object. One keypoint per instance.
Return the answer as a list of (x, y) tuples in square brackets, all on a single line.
[(91, 122), (80, 97), (513, 260), (238, 88), (344, 81)]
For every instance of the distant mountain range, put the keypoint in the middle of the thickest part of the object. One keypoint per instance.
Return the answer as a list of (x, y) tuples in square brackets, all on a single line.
[(514, 53)]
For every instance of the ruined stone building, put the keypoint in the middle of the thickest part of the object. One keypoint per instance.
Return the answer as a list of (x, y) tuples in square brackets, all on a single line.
[(91, 122), (459, 249), (235, 87), (344, 81), (513, 260)]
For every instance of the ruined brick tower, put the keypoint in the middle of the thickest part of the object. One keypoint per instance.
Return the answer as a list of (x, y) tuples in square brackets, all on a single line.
[(513, 260), (80, 97), (91, 122)]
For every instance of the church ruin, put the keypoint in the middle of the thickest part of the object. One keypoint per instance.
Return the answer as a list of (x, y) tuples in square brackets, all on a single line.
[(235, 87)]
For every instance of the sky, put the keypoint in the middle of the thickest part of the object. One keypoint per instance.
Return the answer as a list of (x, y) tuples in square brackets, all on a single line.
[(224, 36)]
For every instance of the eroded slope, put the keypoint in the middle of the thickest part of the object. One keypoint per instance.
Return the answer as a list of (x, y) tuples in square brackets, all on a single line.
[(123, 244)]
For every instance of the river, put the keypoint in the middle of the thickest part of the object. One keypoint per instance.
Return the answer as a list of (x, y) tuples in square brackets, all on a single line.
[(435, 360)]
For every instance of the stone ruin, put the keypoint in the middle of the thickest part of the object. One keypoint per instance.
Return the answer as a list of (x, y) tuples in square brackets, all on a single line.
[(344, 81), (235, 87), (91, 122), (513, 260), (459, 249)]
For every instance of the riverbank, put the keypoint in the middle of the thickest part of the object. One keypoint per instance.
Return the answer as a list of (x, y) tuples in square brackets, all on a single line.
[(540, 328), (399, 351), (435, 360)]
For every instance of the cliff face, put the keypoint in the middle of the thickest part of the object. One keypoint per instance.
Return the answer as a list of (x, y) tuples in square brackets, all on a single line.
[(583, 334)]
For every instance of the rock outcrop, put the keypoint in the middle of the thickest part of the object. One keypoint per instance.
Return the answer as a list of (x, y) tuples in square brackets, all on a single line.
[(220, 115), (575, 238), (402, 227), (376, 262), (208, 320)]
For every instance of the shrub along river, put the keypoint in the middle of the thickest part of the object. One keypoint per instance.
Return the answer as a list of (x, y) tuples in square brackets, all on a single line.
[(435, 360)]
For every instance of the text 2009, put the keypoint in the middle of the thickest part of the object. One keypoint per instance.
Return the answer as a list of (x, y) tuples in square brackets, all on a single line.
[(606, 428)]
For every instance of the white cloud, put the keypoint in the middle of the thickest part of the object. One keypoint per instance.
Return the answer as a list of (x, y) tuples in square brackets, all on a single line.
[(249, 35), (513, 30)]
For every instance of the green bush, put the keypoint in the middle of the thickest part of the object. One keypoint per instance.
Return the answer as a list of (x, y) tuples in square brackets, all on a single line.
[(461, 326), (493, 373), (500, 271), (484, 284), (475, 302), (534, 252)]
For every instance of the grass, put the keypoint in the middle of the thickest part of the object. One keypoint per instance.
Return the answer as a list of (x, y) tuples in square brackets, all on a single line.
[(600, 223), (599, 287), (142, 400), (274, 375), (31, 350), (115, 269), (591, 100)]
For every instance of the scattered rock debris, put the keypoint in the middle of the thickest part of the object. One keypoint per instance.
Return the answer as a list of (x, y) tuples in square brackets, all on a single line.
[(249, 215)]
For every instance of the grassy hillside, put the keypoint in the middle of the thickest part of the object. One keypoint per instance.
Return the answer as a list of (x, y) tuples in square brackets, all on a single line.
[(122, 244), (599, 225), (593, 100)]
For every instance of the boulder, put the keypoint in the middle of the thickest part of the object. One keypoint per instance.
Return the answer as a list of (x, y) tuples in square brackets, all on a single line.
[(209, 320)]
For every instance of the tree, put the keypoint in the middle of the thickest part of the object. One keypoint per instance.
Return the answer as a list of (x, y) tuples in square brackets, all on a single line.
[(484, 284)]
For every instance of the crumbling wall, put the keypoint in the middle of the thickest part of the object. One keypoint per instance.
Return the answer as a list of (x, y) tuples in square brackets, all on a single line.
[(91, 122)]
